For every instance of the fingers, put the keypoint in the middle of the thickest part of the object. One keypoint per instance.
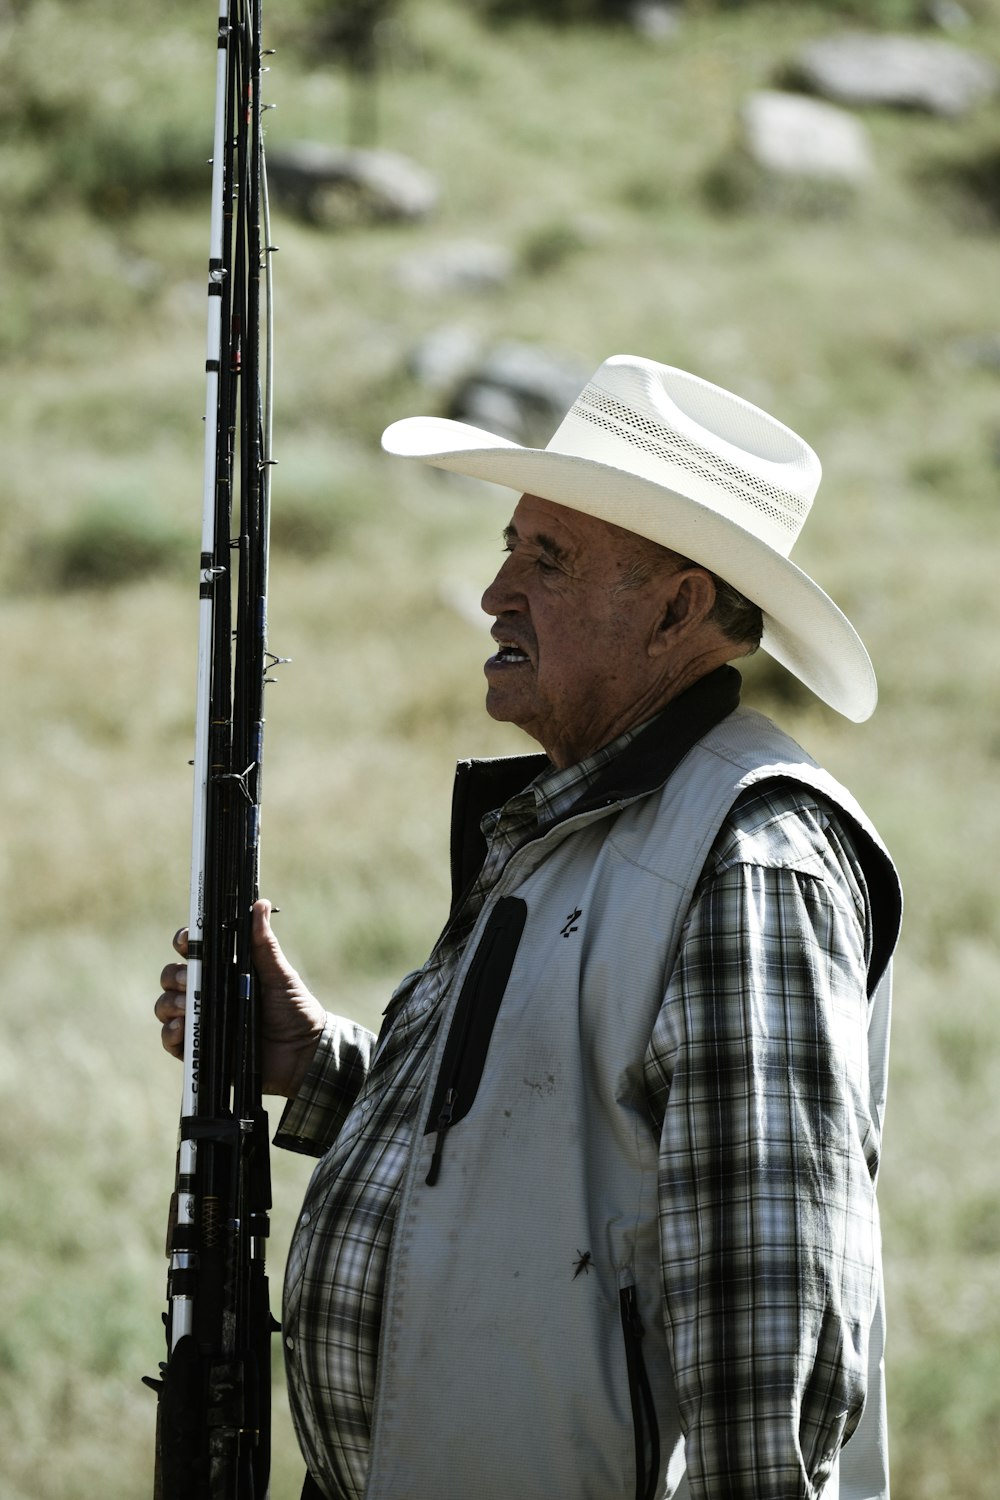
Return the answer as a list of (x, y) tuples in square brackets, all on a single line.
[(174, 977), (278, 979), (169, 1008)]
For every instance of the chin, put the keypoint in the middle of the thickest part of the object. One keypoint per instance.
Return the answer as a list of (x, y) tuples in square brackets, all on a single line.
[(505, 713), (495, 707)]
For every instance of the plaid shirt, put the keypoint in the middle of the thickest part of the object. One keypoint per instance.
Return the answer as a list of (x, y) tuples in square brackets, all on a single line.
[(762, 944)]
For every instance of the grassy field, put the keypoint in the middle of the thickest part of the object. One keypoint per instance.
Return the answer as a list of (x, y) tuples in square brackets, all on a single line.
[(587, 153)]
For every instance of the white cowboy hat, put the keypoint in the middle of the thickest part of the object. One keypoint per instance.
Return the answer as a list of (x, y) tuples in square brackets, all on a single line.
[(697, 469)]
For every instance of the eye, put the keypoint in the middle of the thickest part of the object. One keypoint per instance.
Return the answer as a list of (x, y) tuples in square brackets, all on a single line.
[(533, 556)]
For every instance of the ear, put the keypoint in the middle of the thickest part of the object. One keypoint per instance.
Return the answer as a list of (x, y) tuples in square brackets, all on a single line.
[(687, 599)]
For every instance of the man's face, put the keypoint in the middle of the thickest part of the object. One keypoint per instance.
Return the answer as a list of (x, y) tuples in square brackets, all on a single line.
[(573, 669)]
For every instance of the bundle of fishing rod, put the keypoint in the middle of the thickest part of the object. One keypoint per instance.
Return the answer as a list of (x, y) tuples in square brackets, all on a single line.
[(213, 1410)]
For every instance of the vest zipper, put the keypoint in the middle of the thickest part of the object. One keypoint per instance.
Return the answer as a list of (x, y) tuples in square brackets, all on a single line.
[(442, 1125), (473, 1022), (644, 1423)]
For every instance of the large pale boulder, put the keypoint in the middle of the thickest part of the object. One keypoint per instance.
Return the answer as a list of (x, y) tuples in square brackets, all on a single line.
[(902, 72), (521, 391), (792, 155), (331, 185), (793, 136)]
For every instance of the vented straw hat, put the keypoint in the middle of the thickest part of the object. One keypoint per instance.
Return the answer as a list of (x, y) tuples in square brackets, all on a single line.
[(664, 454)]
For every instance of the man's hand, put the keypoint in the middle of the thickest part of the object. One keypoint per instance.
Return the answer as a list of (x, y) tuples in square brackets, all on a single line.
[(292, 1019)]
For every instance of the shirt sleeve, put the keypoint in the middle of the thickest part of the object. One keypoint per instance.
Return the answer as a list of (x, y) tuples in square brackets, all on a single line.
[(769, 1236), (311, 1121)]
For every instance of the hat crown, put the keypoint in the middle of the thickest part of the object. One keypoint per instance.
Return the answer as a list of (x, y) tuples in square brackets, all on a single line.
[(676, 430)]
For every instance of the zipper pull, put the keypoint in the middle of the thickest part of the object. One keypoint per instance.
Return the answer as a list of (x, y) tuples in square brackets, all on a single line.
[(443, 1124)]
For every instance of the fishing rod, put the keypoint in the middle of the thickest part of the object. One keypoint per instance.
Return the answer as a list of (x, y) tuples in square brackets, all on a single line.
[(213, 1395)]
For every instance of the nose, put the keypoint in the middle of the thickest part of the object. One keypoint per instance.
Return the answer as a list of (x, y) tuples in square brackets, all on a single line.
[(502, 595)]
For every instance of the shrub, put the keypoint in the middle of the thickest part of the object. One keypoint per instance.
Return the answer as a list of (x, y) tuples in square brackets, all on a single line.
[(107, 543), (116, 169)]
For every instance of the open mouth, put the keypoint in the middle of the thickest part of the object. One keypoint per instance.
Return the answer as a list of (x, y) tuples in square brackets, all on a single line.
[(510, 655)]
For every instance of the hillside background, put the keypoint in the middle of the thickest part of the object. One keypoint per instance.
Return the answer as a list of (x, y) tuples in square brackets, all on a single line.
[(600, 163)]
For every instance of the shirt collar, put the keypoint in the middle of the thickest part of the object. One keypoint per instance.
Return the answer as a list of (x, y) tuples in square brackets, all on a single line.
[(637, 762), (557, 790)]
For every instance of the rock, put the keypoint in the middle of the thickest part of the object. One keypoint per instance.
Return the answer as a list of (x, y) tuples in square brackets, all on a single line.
[(655, 20), (793, 155), (333, 185), (521, 391), (790, 135), (493, 409), (445, 357), (977, 351), (461, 266), (947, 15), (901, 72)]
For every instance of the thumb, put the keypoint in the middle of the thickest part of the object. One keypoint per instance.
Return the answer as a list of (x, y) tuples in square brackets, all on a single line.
[(273, 968)]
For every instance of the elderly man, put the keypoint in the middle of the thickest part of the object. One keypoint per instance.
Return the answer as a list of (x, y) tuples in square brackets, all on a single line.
[(594, 1216)]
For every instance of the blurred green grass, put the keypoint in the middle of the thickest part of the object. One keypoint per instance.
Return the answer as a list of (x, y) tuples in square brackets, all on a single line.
[(586, 152)]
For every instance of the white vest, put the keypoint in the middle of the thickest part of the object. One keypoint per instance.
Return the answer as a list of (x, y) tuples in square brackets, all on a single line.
[(502, 1374)]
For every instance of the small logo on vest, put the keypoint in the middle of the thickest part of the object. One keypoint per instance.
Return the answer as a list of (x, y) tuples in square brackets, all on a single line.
[(570, 924)]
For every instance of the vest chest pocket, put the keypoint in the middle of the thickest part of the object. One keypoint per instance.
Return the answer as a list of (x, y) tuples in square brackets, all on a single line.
[(473, 1022)]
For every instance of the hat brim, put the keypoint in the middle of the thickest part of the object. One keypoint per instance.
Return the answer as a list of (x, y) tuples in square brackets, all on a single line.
[(804, 629)]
